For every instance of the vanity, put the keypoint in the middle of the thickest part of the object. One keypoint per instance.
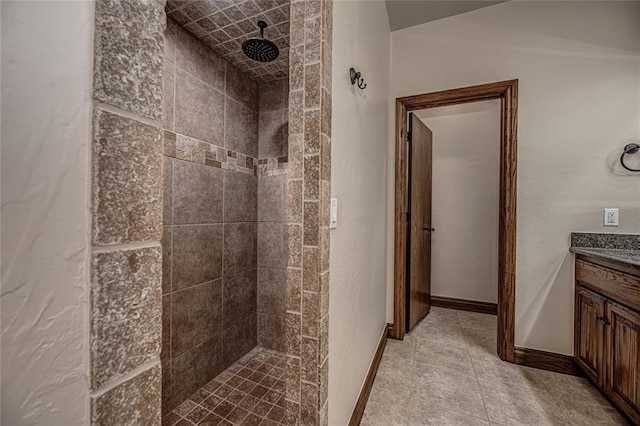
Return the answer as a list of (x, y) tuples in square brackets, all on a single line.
[(607, 315)]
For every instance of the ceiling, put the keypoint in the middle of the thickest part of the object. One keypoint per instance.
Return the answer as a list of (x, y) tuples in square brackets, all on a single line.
[(224, 24), (407, 13)]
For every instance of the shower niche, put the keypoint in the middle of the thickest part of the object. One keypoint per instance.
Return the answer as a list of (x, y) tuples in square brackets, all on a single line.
[(225, 121)]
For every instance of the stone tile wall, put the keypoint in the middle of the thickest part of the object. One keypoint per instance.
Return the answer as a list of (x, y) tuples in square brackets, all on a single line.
[(308, 205), (272, 260), (210, 215), (126, 212)]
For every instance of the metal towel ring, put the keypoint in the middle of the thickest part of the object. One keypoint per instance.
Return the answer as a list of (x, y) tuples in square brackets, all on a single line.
[(631, 148)]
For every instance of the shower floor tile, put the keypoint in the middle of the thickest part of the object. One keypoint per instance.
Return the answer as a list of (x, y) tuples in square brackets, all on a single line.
[(250, 392)]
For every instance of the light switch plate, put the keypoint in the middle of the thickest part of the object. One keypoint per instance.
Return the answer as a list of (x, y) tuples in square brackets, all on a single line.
[(610, 217), (333, 222)]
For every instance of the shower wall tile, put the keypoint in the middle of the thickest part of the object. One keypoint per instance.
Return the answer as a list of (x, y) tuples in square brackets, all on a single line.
[(126, 301), (240, 197), (308, 202), (128, 55), (136, 401), (197, 255), (239, 339), (224, 30), (196, 367), (241, 89), (271, 198), (199, 61), (170, 42), (166, 385), (167, 249), (196, 315), (199, 109), (125, 336), (294, 201), (127, 180), (168, 84), (271, 135), (271, 245), (312, 177), (272, 195), (218, 303), (206, 187), (272, 96), (197, 193), (239, 296), (167, 193), (271, 331), (241, 128), (271, 291), (239, 247), (165, 354)]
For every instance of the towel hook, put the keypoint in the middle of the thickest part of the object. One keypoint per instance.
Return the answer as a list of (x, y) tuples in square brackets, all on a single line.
[(357, 77)]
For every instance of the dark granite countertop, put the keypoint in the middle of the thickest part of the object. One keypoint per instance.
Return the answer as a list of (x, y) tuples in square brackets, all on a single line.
[(622, 248)]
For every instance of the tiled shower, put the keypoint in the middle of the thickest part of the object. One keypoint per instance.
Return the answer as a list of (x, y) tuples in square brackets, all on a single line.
[(223, 242)]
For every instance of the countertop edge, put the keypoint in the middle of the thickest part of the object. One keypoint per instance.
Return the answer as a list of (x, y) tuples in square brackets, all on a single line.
[(626, 257)]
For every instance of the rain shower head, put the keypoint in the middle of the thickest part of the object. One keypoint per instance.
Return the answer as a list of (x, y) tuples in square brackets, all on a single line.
[(259, 48)]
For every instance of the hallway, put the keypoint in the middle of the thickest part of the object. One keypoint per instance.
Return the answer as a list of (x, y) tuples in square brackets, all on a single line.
[(446, 372)]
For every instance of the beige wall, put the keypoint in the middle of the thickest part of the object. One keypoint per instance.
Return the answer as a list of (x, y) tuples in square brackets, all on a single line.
[(578, 66), (466, 178), (358, 175), (46, 81)]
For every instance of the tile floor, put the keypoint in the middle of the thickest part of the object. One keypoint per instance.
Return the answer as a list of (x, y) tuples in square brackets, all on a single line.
[(446, 373), (250, 392)]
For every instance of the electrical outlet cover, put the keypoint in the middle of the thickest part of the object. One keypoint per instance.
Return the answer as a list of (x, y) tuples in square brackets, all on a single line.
[(611, 217)]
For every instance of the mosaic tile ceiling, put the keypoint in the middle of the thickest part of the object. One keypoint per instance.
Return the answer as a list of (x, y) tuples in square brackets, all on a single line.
[(224, 24)]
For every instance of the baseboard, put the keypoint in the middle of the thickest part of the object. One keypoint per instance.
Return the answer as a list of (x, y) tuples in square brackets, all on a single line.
[(547, 361), (465, 305), (358, 410)]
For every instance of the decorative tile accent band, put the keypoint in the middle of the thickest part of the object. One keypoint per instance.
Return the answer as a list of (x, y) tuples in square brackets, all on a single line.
[(605, 241), (186, 148)]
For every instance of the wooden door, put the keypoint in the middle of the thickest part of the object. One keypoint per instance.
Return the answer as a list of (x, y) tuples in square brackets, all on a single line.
[(419, 255), (590, 333), (623, 365)]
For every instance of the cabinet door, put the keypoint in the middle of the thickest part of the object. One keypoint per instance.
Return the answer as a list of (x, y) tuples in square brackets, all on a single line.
[(623, 366), (589, 333)]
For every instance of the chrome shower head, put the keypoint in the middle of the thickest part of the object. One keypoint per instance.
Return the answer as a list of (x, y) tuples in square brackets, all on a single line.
[(259, 48)]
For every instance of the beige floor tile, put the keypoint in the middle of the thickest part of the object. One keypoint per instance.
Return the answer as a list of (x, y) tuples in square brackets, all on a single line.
[(383, 419), (532, 405), (476, 320), (440, 316), (446, 364), (565, 387), (601, 417), (448, 391), (387, 404), (404, 349), (441, 416), (393, 365), (436, 331), (496, 371), (447, 372)]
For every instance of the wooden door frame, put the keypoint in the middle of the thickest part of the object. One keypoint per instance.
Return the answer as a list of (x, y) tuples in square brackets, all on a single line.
[(507, 92)]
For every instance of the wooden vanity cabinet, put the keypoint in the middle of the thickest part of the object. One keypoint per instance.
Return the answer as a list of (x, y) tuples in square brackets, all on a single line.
[(623, 367), (589, 334), (607, 330)]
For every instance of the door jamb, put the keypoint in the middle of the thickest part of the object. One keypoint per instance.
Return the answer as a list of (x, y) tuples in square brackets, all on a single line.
[(507, 92)]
